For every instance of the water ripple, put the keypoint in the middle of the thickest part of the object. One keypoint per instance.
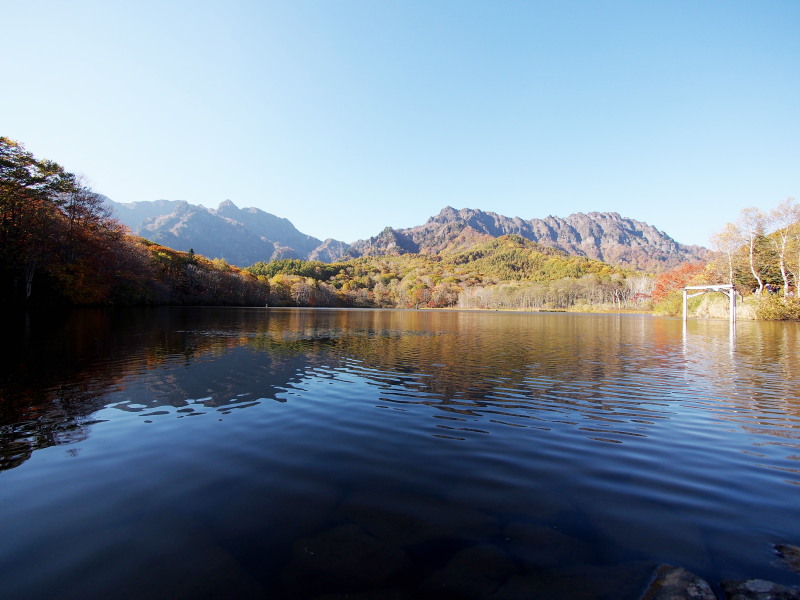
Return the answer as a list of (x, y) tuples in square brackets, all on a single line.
[(587, 441)]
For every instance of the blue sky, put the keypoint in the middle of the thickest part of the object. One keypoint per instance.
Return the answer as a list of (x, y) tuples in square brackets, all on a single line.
[(347, 116)]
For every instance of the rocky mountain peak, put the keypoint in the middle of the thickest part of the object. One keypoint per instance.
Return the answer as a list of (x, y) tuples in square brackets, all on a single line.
[(605, 236), (227, 207), (244, 236)]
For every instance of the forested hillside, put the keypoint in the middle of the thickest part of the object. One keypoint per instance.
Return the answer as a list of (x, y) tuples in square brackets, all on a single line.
[(60, 246), (507, 272)]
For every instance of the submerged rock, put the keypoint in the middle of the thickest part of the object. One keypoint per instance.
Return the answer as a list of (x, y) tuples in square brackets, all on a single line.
[(411, 520), (536, 546), (586, 582), (474, 572), (390, 594), (790, 556), (758, 589), (676, 583), (345, 558)]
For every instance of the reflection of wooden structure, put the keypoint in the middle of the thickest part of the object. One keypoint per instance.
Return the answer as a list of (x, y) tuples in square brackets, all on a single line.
[(725, 288)]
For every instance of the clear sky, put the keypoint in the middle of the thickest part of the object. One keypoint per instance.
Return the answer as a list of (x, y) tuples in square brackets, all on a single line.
[(346, 116)]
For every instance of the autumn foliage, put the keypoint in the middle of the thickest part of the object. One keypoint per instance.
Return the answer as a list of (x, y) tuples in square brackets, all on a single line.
[(676, 279), (60, 246)]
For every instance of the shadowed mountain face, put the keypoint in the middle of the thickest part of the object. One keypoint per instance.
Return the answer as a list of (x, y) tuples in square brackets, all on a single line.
[(243, 236)]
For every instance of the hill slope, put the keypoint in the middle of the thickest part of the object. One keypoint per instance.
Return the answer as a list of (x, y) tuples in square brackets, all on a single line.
[(509, 265)]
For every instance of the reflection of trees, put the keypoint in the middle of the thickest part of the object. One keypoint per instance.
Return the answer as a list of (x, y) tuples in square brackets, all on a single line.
[(67, 366), (618, 372), (763, 371), (760, 385), (60, 421), (531, 369), (751, 383), (514, 369)]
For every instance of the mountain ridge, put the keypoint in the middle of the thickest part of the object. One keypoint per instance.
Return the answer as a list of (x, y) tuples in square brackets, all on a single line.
[(244, 236), (604, 236)]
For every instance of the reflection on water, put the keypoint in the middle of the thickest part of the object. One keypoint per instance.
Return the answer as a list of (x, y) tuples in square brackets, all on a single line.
[(298, 453)]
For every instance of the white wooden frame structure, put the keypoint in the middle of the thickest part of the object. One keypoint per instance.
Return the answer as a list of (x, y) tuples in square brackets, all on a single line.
[(725, 288)]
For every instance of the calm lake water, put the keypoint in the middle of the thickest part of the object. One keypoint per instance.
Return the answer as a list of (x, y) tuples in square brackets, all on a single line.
[(282, 453)]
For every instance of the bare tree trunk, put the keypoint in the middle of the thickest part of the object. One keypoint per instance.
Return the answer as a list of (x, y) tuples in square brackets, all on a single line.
[(785, 277), (785, 216), (753, 222), (753, 269)]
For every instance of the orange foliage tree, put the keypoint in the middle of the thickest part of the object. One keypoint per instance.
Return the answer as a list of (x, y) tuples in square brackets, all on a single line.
[(676, 279)]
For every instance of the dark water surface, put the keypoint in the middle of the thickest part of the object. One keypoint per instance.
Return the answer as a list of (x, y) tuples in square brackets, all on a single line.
[(275, 453)]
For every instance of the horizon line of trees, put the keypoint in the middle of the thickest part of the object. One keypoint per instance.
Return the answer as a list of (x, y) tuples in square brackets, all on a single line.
[(617, 291), (424, 281)]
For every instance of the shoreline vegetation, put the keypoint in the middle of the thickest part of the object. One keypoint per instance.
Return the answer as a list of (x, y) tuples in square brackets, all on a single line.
[(60, 246)]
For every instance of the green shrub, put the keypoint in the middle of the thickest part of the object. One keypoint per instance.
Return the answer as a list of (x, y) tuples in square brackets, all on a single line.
[(672, 304), (772, 307)]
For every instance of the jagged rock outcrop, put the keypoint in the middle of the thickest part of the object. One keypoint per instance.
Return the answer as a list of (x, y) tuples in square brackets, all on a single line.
[(608, 237), (329, 251), (270, 227), (193, 227), (388, 241)]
